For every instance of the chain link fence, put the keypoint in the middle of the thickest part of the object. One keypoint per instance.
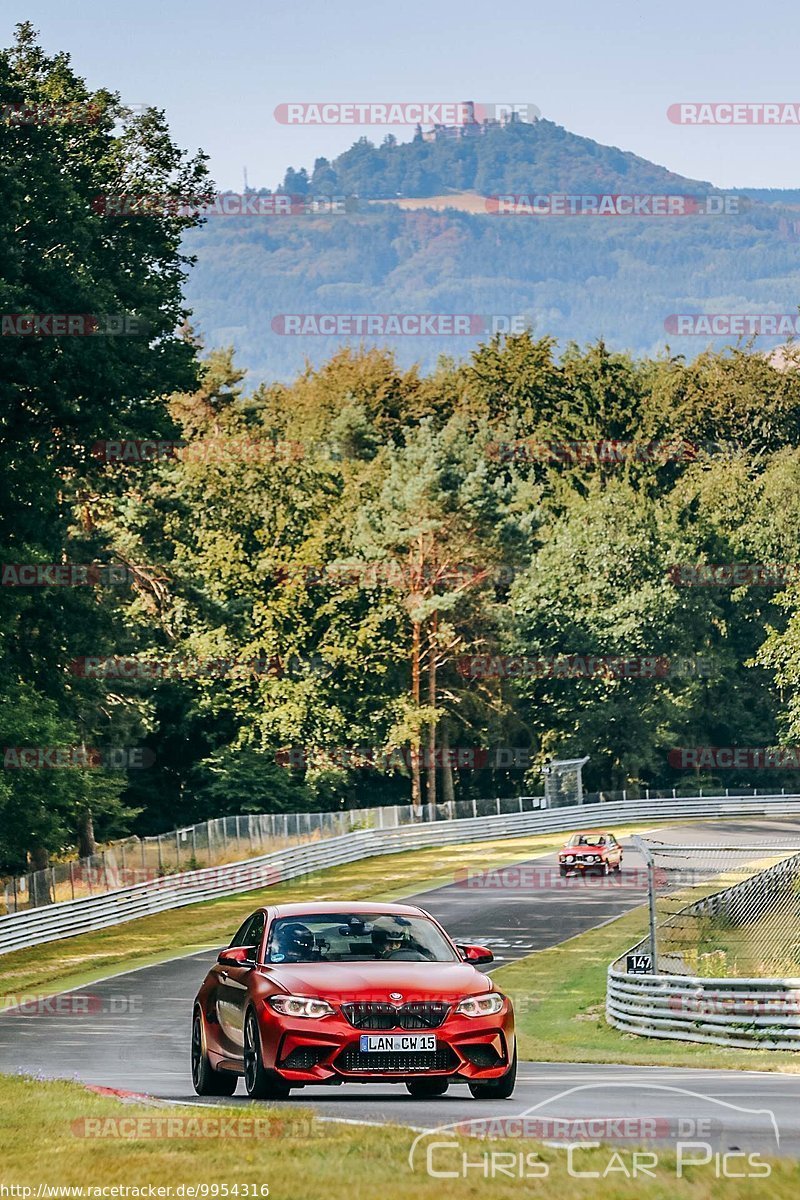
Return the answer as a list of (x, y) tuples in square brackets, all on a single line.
[(232, 839), (720, 911), (224, 840)]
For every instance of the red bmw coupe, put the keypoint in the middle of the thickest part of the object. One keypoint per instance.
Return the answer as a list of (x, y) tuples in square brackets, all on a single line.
[(335, 993)]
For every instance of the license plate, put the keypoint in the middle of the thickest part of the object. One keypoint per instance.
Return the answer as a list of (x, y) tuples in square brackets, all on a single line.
[(409, 1042)]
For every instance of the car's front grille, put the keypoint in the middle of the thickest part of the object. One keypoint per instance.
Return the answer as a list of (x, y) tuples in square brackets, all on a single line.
[(420, 1015), (353, 1059)]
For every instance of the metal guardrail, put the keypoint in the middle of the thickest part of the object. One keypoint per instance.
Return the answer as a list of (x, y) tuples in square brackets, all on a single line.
[(223, 840), (740, 1012), (68, 918), (728, 1012), (231, 839)]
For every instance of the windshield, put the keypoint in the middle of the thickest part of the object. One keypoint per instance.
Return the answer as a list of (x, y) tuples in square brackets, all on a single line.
[(357, 937), (587, 839)]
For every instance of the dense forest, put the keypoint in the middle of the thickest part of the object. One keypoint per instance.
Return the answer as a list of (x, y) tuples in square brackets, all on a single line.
[(372, 582), (572, 278)]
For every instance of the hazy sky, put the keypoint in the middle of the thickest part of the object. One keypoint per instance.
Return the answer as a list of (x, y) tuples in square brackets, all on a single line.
[(602, 68)]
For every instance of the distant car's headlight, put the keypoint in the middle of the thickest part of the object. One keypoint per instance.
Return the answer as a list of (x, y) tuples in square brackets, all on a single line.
[(481, 1006), (301, 1006)]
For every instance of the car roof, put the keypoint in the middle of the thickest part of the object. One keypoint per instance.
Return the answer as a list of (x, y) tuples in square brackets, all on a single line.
[(311, 907)]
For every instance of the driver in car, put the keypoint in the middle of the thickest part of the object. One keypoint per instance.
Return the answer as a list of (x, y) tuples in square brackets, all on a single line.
[(387, 942), (295, 943)]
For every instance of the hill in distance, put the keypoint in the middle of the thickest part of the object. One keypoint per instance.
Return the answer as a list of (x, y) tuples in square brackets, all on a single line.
[(520, 157), (577, 278)]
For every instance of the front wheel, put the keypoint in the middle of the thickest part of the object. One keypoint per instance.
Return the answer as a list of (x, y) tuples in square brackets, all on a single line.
[(206, 1080), (497, 1089), (424, 1089), (261, 1083), (563, 872)]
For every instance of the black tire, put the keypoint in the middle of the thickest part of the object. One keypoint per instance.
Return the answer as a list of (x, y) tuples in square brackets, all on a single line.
[(497, 1089), (206, 1079), (563, 872), (261, 1083), (618, 867), (424, 1089)]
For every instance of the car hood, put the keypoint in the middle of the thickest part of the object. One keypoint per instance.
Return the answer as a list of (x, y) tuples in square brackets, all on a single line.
[(374, 981), (584, 849)]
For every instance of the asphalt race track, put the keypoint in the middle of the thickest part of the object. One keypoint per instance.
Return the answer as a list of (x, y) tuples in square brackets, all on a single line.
[(132, 1031)]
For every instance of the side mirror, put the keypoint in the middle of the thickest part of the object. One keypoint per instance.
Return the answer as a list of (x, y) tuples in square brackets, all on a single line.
[(476, 954), (237, 956)]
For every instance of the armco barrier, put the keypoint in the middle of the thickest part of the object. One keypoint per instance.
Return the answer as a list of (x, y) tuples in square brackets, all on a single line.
[(725, 1011), (67, 918)]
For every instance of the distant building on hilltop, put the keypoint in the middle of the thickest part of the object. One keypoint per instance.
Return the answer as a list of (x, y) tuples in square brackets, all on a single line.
[(471, 127)]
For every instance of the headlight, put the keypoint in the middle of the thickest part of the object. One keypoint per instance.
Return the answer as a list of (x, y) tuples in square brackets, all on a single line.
[(481, 1006), (301, 1006), (569, 858)]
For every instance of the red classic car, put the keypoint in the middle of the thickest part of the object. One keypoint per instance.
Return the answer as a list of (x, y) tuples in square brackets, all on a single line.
[(334, 993), (599, 852)]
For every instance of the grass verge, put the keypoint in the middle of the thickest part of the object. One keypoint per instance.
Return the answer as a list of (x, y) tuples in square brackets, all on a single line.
[(44, 1143)]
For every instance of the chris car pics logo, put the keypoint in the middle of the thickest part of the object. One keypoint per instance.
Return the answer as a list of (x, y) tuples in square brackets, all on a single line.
[(695, 1135)]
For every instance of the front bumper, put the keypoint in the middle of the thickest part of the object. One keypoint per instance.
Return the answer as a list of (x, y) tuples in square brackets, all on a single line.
[(328, 1050)]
